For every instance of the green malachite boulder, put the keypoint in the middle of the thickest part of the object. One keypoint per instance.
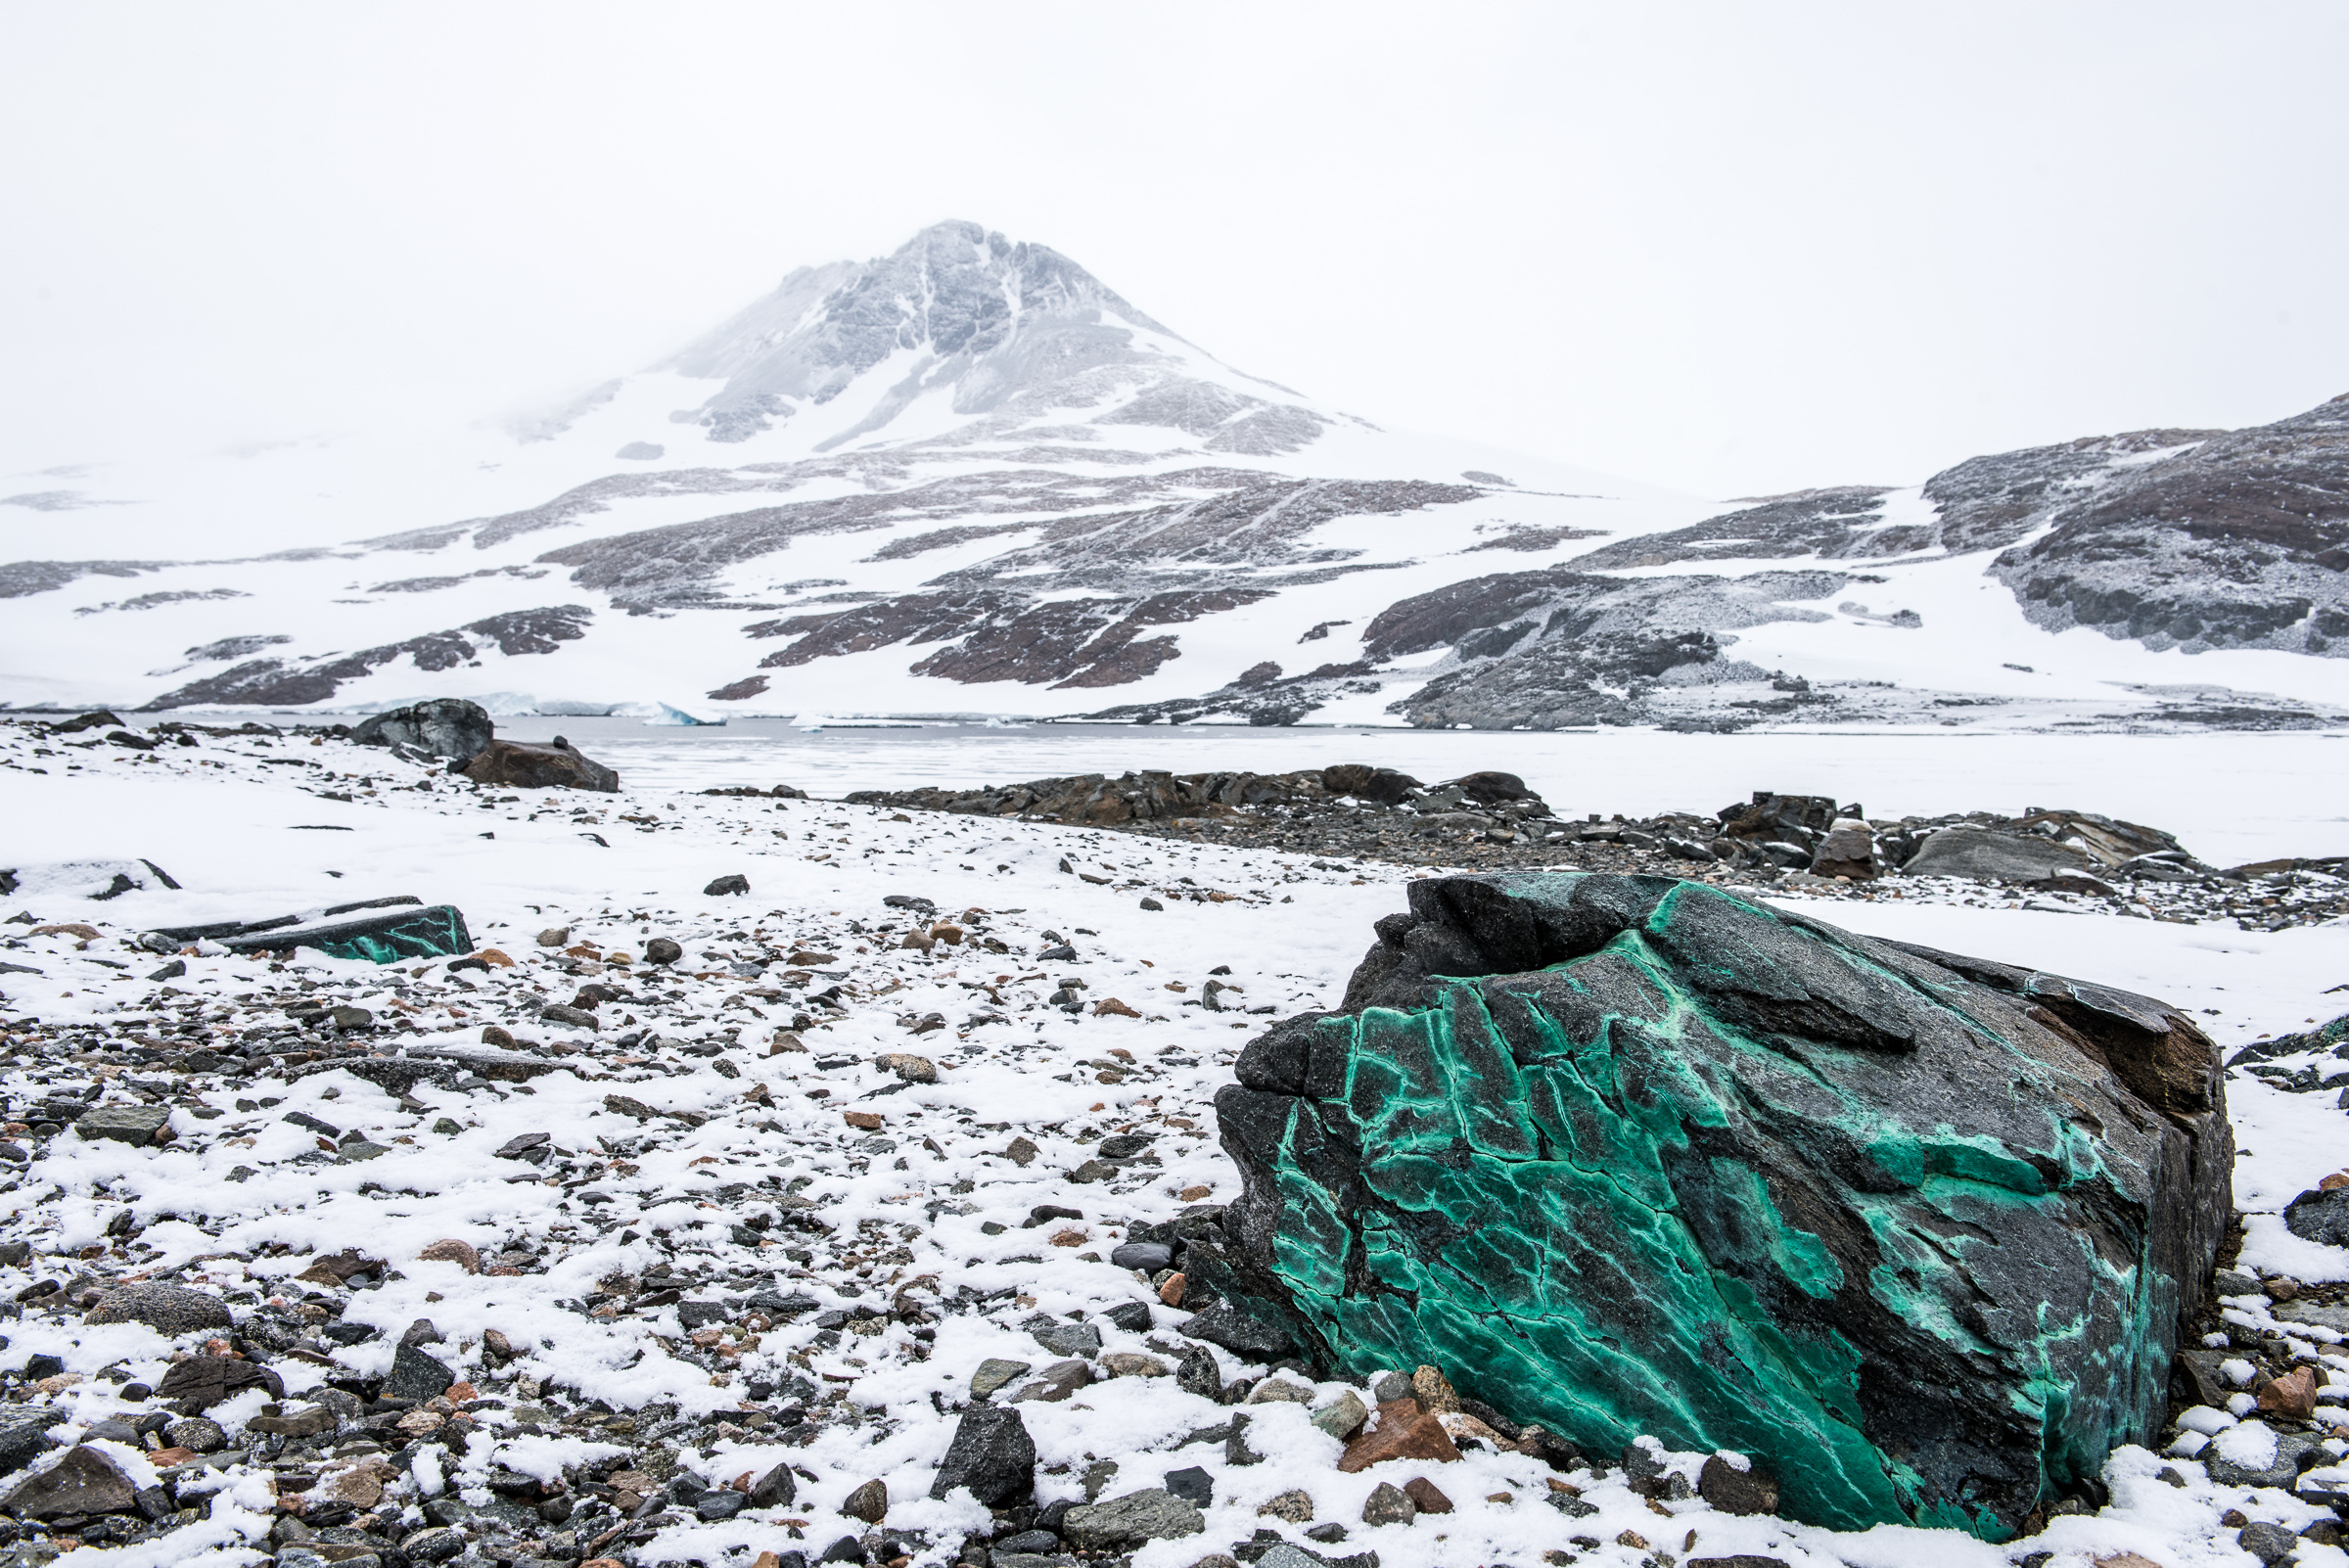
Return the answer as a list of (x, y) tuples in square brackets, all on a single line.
[(1625, 1155)]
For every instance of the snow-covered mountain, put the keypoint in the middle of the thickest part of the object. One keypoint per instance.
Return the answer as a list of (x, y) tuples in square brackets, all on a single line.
[(970, 477)]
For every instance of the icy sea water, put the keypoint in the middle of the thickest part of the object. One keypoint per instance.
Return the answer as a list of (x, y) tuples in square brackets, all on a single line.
[(2229, 797)]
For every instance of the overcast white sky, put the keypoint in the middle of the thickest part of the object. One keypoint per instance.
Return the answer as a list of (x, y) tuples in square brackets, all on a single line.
[(1731, 248)]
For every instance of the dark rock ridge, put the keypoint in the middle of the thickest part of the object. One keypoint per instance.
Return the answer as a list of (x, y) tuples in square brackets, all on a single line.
[(2240, 541), (278, 682), (19, 578), (1919, 1232), (1171, 799)]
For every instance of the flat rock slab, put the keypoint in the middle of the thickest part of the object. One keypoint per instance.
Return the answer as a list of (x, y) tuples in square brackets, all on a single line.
[(166, 1308), (1151, 1514), (1627, 1155), (124, 1124), (1981, 854), (84, 1481)]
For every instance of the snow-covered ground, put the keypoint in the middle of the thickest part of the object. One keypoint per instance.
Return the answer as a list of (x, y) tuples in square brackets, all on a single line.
[(918, 1228)]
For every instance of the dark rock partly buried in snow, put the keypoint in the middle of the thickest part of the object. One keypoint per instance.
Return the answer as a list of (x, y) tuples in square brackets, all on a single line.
[(445, 726), (511, 764), (84, 1482), (1625, 1156), (203, 1381), (731, 883), (993, 1454), (166, 1308), (25, 1434), (124, 1124), (2319, 1216)]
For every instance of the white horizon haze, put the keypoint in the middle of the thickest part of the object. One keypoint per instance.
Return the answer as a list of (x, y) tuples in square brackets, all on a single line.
[(1718, 249)]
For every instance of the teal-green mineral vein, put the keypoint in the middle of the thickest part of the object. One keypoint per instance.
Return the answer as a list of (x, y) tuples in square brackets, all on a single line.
[(1565, 1284)]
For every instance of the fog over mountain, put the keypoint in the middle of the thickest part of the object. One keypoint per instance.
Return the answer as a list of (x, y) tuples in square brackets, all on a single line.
[(971, 477)]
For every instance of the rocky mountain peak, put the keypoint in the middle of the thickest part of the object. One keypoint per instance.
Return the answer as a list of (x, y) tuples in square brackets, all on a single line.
[(967, 305)]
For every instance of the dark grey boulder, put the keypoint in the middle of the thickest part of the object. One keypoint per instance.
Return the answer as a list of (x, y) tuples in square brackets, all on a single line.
[(86, 1481), (1982, 855), (166, 1308), (2280, 1467), (1251, 1338), (734, 882), (25, 1434), (436, 1544), (1151, 1514), (775, 1488), (445, 726), (993, 1454), (203, 1381), (1629, 1156), (416, 1375), (2319, 1216), (1066, 1339), (124, 1124), (511, 764)]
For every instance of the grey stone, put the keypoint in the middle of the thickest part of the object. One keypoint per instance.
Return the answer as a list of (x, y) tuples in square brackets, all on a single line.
[(445, 726), (85, 1481), (124, 1124), (1147, 1256), (1246, 1336), (197, 1434), (2282, 1471), (1982, 855), (2270, 1543), (416, 1375), (24, 1434), (2323, 1315), (869, 1502), (1151, 1514), (1280, 1391), (2314, 1215), (1057, 1382), (1752, 1490), (994, 1373), (1191, 1484), (1387, 1504), (436, 1544), (1066, 1339), (1289, 1555), (993, 1454), (775, 1488), (719, 1503), (1198, 1374), (734, 882), (166, 1308), (1343, 1416)]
